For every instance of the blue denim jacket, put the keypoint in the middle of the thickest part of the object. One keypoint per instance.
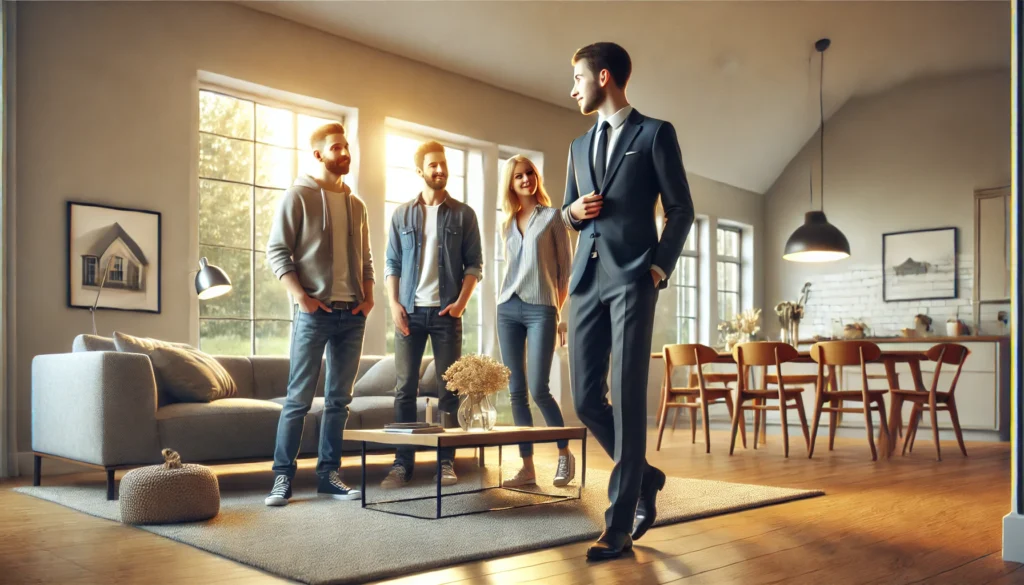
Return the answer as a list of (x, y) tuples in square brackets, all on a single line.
[(460, 253)]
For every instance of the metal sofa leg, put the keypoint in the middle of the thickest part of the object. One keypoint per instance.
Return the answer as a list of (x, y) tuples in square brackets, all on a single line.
[(111, 486), (37, 470)]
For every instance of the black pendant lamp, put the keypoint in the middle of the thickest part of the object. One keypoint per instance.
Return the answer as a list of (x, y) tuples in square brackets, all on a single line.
[(818, 240)]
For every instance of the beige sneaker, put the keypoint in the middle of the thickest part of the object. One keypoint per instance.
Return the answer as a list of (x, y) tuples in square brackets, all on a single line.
[(448, 476), (396, 478), (520, 479), (566, 470)]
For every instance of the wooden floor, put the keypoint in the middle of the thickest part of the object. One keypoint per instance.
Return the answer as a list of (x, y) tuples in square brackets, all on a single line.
[(908, 520)]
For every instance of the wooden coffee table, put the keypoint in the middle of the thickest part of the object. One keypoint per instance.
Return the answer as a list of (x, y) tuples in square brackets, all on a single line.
[(455, 438)]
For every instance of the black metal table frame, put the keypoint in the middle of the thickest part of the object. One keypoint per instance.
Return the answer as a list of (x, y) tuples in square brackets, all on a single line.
[(555, 498)]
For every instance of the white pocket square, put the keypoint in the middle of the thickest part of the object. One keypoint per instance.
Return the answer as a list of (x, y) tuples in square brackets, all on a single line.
[(631, 152)]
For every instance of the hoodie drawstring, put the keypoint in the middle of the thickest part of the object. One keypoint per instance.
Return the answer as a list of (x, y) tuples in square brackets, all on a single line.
[(323, 199)]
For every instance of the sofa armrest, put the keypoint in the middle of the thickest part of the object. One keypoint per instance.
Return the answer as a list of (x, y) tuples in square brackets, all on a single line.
[(96, 407)]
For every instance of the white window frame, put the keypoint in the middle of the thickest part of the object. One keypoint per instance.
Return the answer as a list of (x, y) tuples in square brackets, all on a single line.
[(737, 260), (272, 98), (448, 142), (680, 294)]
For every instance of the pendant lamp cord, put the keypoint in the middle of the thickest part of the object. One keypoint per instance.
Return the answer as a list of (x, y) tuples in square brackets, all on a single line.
[(821, 133), (810, 168)]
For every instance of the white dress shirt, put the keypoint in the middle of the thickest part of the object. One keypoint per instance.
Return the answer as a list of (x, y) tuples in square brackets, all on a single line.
[(615, 122)]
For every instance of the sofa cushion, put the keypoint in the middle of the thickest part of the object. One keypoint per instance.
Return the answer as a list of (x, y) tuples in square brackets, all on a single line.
[(191, 376), (86, 342), (379, 380), (365, 363), (183, 373), (133, 344), (310, 425), (232, 428), (373, 412), (240, 370)]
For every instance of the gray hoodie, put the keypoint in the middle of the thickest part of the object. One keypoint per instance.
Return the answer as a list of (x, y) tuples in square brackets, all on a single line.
[(301, 239)]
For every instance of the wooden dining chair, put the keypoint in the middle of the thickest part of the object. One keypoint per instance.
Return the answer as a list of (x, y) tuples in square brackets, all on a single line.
[(883, 376), (831, 354), (933, 401), (766, 353), (697, 397), (722, 378)]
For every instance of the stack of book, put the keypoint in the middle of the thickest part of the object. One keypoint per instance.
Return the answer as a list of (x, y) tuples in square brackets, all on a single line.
[(413, 428)]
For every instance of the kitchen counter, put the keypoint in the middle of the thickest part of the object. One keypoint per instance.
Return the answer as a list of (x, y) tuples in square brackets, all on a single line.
[(935, 339)]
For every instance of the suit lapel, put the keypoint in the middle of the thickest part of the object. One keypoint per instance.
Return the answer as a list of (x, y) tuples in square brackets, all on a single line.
[(630, 129), (582, 162)]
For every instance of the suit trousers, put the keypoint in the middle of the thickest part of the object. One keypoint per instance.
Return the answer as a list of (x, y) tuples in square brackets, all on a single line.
[(614, 321)]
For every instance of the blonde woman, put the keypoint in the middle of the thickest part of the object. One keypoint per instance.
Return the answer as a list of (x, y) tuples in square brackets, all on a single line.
[(535, 287)]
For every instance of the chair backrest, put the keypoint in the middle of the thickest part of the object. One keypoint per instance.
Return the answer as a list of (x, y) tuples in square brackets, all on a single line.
[(947, 353), (763, 353), (689, 354), (845, 353), (693, 355)]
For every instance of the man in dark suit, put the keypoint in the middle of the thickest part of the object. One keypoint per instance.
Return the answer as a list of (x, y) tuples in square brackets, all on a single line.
[(616, 173)]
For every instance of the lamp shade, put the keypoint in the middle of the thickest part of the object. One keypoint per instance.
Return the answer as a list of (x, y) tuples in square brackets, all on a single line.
[(816, 241), (211, 281)]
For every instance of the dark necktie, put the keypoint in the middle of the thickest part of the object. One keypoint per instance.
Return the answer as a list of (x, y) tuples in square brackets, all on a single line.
[(602, 155)]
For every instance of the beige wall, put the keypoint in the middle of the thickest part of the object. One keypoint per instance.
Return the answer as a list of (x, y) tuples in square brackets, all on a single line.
[(906, 159), (107, 104)]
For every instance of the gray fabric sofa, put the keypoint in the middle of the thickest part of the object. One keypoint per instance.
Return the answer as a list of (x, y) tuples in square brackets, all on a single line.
[(101, 408)]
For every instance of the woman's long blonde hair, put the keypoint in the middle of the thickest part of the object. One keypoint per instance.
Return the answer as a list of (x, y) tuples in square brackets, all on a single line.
[(509, 200)]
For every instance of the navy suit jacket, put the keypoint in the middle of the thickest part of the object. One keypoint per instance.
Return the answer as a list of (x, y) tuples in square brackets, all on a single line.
[(646, 162)]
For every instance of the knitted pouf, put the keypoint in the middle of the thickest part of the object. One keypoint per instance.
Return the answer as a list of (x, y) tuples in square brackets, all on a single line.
[(171, 492)]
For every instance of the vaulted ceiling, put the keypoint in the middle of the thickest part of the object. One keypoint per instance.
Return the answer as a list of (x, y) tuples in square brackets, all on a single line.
[(734, 77)]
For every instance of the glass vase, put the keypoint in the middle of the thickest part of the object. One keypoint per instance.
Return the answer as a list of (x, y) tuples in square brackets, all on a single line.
[(477, 413)]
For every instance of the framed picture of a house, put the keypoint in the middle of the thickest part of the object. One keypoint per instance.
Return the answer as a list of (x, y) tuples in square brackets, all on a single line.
[(113, 251), (920, 265)]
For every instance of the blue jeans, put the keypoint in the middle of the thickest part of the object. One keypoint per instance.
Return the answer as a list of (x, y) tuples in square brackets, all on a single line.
[(341, 333), (445, 335), (525, 328)]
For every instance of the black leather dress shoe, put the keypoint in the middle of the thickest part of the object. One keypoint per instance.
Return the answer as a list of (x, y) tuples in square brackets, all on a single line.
[(611, 545), (646, 508)]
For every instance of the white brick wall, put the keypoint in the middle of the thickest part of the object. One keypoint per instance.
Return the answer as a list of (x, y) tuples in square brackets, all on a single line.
[(856, 295)]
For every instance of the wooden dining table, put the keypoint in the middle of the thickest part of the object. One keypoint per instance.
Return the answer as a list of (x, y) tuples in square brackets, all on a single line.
[(889, 359)]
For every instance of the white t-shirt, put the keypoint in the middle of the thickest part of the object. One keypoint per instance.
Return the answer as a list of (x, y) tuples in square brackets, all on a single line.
[(428, 290), (341, 287)]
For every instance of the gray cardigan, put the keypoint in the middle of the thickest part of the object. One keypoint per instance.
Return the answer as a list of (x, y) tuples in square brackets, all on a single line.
[(301, 239)]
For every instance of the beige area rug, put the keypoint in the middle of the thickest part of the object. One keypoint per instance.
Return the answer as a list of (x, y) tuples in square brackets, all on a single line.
[(323, 541)]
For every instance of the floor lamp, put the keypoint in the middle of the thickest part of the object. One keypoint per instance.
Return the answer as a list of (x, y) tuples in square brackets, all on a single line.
[(211, 282)]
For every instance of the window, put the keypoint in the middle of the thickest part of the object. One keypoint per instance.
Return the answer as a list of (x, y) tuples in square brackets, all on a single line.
[(117, 270), (465, 177), (249, 153), (676, 311), (728, 270), (89, 269), (500, 265)]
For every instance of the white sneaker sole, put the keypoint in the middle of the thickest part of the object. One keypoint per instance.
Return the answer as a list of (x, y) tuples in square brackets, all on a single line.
[(275, 501), (447, 481), (353, 495)]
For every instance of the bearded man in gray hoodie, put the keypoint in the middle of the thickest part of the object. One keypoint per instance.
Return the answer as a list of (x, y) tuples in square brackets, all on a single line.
[(319, 247)]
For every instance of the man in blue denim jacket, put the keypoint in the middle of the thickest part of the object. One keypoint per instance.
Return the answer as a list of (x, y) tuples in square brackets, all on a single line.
[(434, 261)]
